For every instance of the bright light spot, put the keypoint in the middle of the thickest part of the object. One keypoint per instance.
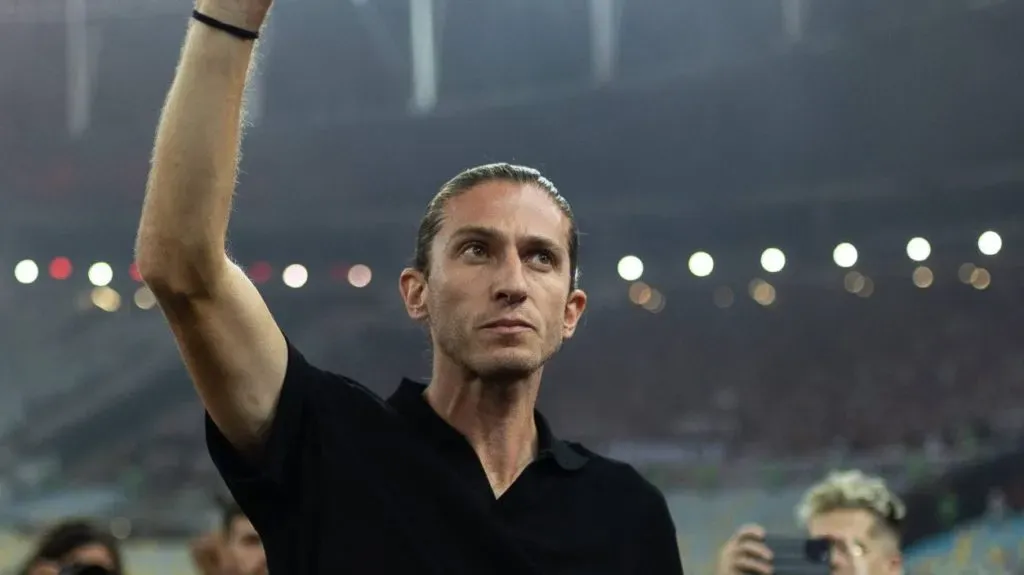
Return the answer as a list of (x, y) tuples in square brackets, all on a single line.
[(918, 249), (845, 255), (965, 272), (701, 264), (260, 272), (923, 277), (60, 268), (295, 276), (133, 272), (723, 297), (980, 278), (105, 298), (630, 268), (773, 260), (655, 303), (640, 293), (359, 276), (868, 289), (100, 274), (26, 271), (989, 243), (762, 292), (854, 282), (144, 298)]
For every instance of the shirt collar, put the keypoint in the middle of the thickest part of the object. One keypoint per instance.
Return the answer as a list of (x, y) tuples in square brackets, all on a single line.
[(408, 400)]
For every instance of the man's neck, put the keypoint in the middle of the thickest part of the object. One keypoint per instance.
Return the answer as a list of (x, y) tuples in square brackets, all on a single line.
[(496, 418)]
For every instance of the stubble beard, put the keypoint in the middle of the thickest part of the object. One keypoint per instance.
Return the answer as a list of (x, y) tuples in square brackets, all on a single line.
[(509, 368)]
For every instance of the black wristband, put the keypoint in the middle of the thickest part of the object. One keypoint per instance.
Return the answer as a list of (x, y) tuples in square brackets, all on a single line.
[(235, 31)]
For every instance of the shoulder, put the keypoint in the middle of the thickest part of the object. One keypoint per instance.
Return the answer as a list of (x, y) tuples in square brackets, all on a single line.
[(323, 384), (627, 482)]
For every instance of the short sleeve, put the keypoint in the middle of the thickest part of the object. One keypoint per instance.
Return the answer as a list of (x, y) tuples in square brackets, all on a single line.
[(309, 396), (657, 545)]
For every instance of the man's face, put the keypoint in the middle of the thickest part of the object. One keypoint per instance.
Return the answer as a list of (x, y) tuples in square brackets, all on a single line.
[(245, 549), (498, 302), (853, 532)]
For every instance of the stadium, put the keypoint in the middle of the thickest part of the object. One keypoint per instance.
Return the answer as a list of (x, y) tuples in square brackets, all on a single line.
[(801, 238)]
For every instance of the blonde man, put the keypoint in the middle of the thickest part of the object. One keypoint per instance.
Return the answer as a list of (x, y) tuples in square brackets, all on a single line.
[(857, 512)]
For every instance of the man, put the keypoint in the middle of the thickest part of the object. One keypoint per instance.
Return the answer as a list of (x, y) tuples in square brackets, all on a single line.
[(235, 549), (855, 511), (461, 476)]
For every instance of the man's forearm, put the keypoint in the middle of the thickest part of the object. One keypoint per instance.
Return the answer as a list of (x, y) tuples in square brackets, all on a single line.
[(192, 177)]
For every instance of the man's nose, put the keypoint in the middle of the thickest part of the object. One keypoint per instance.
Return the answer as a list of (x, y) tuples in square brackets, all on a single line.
[(510, 283)]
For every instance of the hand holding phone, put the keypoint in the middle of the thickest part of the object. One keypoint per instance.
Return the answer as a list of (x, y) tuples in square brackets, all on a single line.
[(745, 553), (751, 551), (799, 556)]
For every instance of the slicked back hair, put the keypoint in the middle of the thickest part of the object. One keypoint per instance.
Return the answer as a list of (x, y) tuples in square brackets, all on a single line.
[(433, 219)]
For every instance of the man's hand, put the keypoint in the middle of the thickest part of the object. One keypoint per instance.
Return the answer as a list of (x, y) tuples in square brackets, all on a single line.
[(745, 552)]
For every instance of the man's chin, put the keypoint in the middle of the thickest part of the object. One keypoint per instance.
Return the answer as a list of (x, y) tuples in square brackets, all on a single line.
[(507, 366)]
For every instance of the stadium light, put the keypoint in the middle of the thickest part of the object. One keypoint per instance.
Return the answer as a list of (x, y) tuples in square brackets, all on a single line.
[(144, 299), (701, 264), (918, 249), (359, 275), (640, 293), (26, 271), (845, 255), (105, 298), (762, 292), (60, 268), (773, 260), (630, 268), (260, 272), (100, 274), (981, 278), (989, 243), (923, 277), (295, 276)]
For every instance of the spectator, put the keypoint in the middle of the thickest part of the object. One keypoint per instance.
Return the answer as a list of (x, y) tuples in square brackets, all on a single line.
[(234, 550), (75, 543)]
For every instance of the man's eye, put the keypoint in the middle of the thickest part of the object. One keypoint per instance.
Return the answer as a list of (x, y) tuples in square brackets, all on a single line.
[(544, 258), (475, 250)]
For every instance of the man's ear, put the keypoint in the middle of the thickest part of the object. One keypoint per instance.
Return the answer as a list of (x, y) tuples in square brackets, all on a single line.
[(574, 308), (412, 284)]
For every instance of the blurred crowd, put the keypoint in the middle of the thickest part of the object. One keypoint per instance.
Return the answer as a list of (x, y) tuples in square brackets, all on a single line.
[(84, 547), (820, 371)]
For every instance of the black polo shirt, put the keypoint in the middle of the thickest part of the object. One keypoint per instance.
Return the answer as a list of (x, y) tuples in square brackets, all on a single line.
[(349, 483)]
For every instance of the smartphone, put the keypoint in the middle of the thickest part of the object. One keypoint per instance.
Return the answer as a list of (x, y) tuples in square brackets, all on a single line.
[(800, 556)]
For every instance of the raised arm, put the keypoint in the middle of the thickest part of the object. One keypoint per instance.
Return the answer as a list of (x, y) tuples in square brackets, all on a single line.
[(231, 345)]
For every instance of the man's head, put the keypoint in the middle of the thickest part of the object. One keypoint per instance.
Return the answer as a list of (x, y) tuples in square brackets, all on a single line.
[(861, 516), (495, 272), (75, 542), (242, 544)]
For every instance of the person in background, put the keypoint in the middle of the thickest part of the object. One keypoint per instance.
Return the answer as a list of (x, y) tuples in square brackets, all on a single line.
[(856, 512), (75, 545), (235, 549)]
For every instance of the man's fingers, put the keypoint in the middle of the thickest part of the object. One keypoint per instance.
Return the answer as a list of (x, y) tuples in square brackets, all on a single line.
[(747, 564), (755, 549), (750, 531)]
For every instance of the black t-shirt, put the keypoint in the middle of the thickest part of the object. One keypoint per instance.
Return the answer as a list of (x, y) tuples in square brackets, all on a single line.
[(349, 483)]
